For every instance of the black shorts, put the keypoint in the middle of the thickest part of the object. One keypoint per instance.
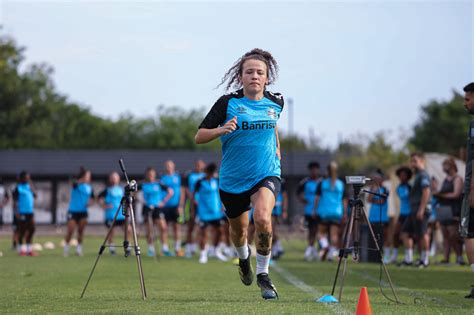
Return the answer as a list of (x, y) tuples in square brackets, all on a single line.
[(108, 223), (236, 204), (213, 223), (155, 212), (310, 221), (329, 222), (77, 216), (415, 227), (26, 218), (15, 222), (402, 219), (170, 214)]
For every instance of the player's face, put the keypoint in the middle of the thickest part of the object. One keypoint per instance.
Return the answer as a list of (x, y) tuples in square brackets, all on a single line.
[(200, 166), (469, 102), (150, 175), (254, 76), (87, 177), (446, 168), (314, 172), (403, 177), (114, 179), (417, 163), (169, 167)]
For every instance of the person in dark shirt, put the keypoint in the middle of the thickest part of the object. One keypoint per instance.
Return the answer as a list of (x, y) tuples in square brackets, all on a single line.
[(416, 225), (467, 210), (449, 210)]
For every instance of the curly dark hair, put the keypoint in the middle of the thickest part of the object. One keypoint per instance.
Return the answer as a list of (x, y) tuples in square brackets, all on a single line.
[(232, 76)]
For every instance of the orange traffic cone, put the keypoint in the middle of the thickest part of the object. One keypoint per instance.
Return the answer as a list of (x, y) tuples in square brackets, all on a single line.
[(363, 306)]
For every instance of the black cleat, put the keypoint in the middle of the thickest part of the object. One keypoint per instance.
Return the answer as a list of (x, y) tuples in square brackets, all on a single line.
[(421, 265), (405, 264), (245, 270), (269, 291)]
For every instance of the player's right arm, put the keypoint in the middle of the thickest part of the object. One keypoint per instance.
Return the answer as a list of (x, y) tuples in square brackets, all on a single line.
[(213, 125)]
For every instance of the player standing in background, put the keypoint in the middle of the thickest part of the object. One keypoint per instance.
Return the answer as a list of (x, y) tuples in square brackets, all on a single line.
[(403, 192), (191, 181), (467, 210), (23, 198), (416, 225), (379, 210), (155, 196), (209, 211), (246, 123), (110, 199), (306, 192), (331, 211), (280, 212), (82, 196), (449, 210), (173, 209)]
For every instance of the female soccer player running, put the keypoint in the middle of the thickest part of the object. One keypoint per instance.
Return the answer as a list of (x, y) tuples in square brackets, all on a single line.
[(23, 198), (109, 200), (246, 122), (81, 197)]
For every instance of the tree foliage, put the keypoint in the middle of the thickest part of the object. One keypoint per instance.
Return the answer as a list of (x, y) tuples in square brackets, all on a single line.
[(443, 126)]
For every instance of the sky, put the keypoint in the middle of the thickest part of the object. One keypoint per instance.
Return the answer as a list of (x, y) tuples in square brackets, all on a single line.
[(350, 67)]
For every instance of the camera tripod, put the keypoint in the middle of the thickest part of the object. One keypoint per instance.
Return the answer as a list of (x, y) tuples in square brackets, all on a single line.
[(126, 206), (352, 233)]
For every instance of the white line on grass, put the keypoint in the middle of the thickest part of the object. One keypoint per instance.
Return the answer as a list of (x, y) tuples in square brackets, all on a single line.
[(336, 308), (415, 294)]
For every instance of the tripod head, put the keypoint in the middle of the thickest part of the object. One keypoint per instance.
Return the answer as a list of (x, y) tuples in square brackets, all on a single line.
[(130, 188)]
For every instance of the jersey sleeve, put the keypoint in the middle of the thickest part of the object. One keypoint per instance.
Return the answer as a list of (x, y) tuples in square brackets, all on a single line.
[(197, 186), (301, 184), (425, 181), (319, 189), (216, 115)]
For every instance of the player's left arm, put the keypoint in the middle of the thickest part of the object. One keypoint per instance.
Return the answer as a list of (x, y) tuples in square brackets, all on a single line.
[(425, 198), (277, 143)]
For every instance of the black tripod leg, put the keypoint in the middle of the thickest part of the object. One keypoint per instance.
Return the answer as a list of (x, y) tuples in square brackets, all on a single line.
[(346, 240), (137, 253), (101, 250), (381, 255)]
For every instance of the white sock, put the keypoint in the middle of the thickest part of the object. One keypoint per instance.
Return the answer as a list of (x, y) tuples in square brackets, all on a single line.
[(332, 250), (278, 246), (28, 248), (324, 242), (66, 248), (409, 255), (243, 251), (262, 263), (394, 253), (425, 256), (386, 251), (79, 248), (472, 267), (177, 245), (165, 248)]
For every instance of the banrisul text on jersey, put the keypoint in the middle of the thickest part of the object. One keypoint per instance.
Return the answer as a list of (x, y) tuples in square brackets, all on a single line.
[(249, 153)]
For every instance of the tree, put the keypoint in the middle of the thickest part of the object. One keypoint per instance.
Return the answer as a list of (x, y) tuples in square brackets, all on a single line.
[(443, 126)]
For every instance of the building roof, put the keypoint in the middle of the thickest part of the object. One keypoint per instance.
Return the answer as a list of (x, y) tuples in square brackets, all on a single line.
[(66, 163)]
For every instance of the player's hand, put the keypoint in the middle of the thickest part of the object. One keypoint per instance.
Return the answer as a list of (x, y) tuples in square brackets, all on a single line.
[(161, 204), (180, 211), (284, 215), (419, 215), (278, 154), (229, 126)]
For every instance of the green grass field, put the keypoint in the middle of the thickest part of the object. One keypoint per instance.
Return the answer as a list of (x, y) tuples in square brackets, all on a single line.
[(51, 283)]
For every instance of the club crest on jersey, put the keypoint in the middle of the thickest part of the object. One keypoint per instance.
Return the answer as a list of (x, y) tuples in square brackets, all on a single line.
[(271, 113), (241, 109)]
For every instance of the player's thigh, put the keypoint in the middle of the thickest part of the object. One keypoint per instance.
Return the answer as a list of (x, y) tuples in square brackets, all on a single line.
[(263, 202), (239, 223)]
